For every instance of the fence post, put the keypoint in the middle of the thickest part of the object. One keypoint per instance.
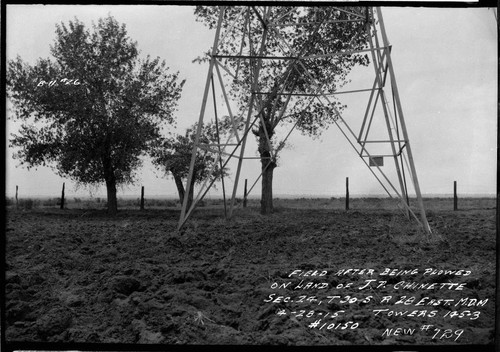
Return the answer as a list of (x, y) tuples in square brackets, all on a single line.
[(347, 193), (455, 199), (62, 197), (142, 198), (17, 201), (245, 195)]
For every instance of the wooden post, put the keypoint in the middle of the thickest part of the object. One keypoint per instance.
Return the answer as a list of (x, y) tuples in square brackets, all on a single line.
[(142, 198), (455, 199), (245, 195), (17, 201), (62, 197), (347, 193)]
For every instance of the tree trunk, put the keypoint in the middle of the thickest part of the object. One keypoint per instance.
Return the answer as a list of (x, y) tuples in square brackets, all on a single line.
[(268, 166), (182, 191), (111, 190), (142, 197), (266, 201), (109, 176), (180, 188), (62, 197)]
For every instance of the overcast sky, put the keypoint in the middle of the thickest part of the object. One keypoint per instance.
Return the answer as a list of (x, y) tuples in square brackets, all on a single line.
[(445, 62)]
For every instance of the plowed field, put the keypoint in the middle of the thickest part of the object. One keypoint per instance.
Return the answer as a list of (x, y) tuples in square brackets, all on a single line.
[(80, 276)]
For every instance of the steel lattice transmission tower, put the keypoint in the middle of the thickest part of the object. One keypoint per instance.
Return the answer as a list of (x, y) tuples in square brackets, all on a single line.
[(383, 106)]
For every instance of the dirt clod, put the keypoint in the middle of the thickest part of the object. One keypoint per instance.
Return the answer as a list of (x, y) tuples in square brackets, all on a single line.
[(53, 322), (125, 285)]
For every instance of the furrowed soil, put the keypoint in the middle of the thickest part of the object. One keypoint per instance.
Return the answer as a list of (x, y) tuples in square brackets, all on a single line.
[(79, 275)]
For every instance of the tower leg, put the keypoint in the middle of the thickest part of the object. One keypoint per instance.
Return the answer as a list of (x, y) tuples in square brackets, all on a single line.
[(413, 170), (184, 210)]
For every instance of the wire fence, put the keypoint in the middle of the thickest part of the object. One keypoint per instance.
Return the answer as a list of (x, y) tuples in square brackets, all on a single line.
[(301, 199)]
